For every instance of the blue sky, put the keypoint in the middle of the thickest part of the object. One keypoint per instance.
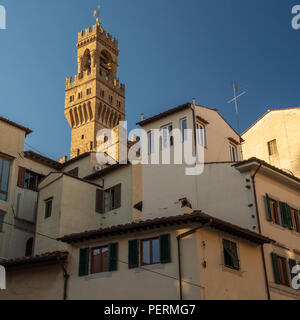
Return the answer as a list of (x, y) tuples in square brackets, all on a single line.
[(170, 52)]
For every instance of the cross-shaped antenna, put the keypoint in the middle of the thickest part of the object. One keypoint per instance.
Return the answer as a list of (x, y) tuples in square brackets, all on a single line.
[(236, 104)]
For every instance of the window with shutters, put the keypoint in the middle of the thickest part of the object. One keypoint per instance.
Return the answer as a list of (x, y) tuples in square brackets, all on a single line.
[(280, 269), (274, 211), (48, 208), (4, 177), (108, 200), (99, 260), (29, 180), (231, 259), (295, 219), (150, 253)]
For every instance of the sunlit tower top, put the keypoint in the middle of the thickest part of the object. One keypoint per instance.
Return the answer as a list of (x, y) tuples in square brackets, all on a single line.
[(94, 98)]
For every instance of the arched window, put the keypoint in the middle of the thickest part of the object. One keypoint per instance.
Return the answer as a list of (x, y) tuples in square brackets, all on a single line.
[(87, 60), (29, 247), (106, 61)]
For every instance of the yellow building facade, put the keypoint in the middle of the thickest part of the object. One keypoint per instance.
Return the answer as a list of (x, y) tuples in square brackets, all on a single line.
[(275, 138)]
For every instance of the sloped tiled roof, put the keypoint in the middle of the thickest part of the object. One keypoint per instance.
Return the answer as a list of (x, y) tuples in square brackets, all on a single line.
[(196, 216)]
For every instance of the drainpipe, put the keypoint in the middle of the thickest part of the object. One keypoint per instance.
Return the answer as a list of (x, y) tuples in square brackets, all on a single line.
[(194, 125), (66, 278), (179, 237), (193, 107), (259, 230)]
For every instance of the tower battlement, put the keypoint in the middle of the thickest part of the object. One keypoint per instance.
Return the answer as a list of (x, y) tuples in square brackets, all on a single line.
[(96, 33), (95, 73), (94, 99)]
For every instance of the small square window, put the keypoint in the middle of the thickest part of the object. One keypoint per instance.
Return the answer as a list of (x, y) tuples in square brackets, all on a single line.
[(272, 147), (48, 208)]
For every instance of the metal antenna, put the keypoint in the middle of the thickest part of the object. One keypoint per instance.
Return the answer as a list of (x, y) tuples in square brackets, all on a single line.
[(236, 104)]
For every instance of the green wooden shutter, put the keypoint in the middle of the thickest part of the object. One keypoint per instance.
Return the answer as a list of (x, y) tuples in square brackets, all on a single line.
[(288, 213), (113, 257), (165, 250), (292, 264), (268, 205), (133, 254), (99, 201), (84, 261), (275, 268), (21, 177), (283, 214), (117, 199)]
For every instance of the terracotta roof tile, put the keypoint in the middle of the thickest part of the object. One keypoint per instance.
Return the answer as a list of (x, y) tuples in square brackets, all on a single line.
[(196, 216), (45, 257)]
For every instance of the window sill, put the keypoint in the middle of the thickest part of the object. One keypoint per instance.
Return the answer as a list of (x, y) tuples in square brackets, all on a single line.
[(158, 266), (295, 233), (282, 289), (232, 270), (101, 275), (277, 226)]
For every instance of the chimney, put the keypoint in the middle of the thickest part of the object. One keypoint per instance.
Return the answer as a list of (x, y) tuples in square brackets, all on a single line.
[(142, 117), (194, 102), (63, 159)]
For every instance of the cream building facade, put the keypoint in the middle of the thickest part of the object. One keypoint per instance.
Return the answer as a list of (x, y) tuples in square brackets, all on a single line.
[(20, 174), (217, 261), (134, 225), (275, 138)]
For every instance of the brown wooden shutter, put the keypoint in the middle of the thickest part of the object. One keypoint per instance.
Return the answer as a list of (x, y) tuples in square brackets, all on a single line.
[(21, 177), (268, 205), (117, 201), (99, 201)]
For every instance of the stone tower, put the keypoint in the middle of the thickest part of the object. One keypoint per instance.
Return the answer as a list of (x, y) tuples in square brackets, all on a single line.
[(95, 99)]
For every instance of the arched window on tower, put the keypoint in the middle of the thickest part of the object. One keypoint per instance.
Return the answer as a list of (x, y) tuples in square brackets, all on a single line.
[(87, 61), (29, 247), (106, 62)]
